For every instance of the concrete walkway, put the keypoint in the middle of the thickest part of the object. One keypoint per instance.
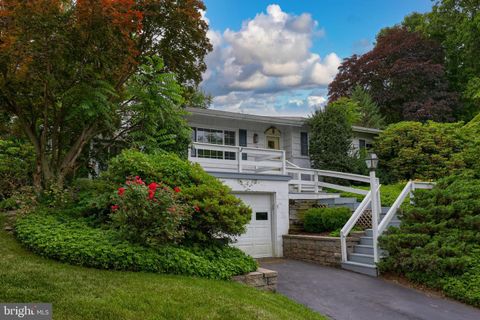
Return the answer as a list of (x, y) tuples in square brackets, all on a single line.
[(344, 295)]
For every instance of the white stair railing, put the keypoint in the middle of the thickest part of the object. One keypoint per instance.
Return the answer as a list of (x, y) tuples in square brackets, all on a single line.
[(372, 201), (347, 228), (378, 227), (406, 192)]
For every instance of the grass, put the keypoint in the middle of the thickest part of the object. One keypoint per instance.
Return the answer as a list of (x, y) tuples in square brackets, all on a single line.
[(83, 293)]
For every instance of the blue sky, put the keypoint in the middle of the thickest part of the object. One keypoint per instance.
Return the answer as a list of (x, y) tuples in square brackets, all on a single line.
[(277, 57)]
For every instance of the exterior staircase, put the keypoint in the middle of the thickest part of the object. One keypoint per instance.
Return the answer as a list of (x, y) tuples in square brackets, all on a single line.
[(361, 260)]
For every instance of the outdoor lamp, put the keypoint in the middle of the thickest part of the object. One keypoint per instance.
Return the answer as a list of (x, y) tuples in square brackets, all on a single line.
[(372, 161)]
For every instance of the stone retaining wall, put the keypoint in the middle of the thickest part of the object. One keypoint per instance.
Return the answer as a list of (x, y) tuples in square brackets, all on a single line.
[(297, 209), (263, 279), (317, 249)]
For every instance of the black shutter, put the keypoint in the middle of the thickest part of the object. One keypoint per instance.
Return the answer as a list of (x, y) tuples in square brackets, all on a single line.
[(193, 151), (304, 143), (242, 141)]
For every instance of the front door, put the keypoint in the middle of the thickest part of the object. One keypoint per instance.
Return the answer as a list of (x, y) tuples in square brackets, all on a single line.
[(273, 142), (272, 137)]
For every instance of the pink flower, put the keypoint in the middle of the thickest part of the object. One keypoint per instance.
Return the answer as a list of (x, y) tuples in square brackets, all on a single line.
[(115, 207), (177, 189), (121, 191), (196, 208), (152, 186), (139, 180), (151, 194)]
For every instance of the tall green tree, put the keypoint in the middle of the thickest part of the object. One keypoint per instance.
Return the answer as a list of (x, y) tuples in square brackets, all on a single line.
[(65, 66), (368, 110), (455, 24), (331, 139)]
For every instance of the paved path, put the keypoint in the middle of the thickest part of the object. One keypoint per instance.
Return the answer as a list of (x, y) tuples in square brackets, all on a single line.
[(344, 295)]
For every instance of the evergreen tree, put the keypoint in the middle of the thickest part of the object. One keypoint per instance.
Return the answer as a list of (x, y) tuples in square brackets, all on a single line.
[(331, 140), (369, 112)]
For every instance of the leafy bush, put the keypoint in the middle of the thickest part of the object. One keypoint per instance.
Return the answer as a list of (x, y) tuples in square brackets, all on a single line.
[(219, 215), (438, 242), (91, 198), (412, 150), (325, 219), (66, 239), (150, 215), (16, 166)]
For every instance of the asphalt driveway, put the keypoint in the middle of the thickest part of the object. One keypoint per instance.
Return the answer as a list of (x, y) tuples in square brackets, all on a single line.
[(344, 295)]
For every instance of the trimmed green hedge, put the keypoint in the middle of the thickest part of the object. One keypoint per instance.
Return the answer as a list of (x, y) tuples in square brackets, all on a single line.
[(71, 240), (325, 219), (438, 243)]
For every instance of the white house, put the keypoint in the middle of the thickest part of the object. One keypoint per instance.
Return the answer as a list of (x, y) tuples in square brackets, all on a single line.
[(265, 160)]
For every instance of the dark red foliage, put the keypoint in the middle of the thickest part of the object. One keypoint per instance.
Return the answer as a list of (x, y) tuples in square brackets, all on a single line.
[(405, 75)]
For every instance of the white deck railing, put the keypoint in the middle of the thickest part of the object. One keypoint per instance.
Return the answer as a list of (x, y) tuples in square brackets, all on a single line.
[(237, 159), (312, 180), (268, 161)]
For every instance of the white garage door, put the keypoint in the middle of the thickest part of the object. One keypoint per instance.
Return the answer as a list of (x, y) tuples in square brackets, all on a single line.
[(257, 241)]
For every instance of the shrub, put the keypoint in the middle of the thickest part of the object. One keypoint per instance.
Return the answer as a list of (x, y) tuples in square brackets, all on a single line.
[(149, 215), (412, 150), (219, 215), (16, 166), (66, 239), (438, 242), (325, 219), (91, 198)]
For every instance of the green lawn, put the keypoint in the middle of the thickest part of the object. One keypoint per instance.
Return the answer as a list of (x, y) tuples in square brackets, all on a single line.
[(83, 293), (388, 192)]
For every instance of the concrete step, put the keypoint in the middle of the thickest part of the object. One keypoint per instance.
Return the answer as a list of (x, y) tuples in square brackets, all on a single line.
[(368, 241), (343, 200), (363, 268), (361, 258), (385, 210), (364, 249)]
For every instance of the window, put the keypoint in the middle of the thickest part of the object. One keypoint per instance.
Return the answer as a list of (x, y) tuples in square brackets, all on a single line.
[(361, 143), (304, 143), (210, 136), (229, 138), (261, 215), (214, 136)]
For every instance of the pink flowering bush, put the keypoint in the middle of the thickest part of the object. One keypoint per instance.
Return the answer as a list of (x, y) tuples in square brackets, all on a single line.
[(149, 214), (216, 215)]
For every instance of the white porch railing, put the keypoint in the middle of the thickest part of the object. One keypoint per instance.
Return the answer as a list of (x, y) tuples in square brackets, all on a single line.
[(215, 157)]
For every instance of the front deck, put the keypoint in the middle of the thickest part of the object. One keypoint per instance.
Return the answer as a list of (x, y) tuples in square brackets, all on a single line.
[(304, 183)]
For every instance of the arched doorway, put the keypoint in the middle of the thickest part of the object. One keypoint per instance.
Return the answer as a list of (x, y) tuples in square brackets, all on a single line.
[(272, 138)]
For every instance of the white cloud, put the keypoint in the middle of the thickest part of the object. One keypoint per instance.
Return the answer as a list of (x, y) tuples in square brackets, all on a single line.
[(271, 53)]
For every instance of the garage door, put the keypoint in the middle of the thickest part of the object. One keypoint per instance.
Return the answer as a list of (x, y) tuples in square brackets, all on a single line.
[(257, 240)]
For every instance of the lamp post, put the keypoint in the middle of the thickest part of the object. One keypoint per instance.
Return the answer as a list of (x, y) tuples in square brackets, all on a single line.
[(372, 164)]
